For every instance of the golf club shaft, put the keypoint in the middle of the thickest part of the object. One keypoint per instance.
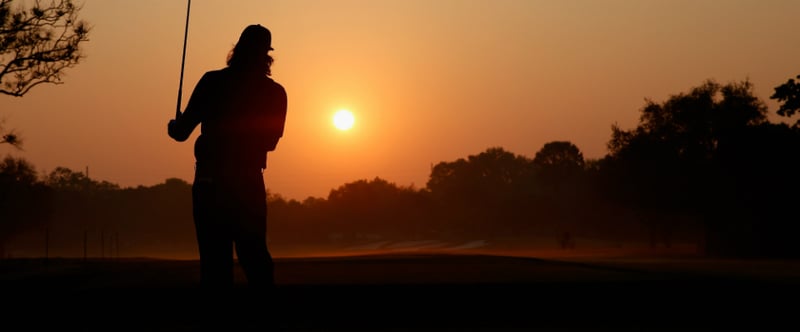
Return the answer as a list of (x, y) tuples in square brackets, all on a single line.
[(183, 60)]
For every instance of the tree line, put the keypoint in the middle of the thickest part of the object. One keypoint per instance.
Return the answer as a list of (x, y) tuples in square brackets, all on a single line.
[(705, 167)]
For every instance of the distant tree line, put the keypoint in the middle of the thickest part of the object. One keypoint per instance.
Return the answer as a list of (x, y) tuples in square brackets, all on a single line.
[(81, 214), (704, 167)]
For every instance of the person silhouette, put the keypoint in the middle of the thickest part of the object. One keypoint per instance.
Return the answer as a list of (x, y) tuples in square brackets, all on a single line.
[(241, 112)]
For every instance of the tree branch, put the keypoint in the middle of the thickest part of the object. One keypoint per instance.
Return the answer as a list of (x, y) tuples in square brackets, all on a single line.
[(37, 44)]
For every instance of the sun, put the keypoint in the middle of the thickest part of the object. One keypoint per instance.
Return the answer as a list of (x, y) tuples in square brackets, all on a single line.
[(343, 120)]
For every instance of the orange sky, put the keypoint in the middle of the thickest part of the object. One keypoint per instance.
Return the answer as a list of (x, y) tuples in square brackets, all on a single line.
[(428, 81)]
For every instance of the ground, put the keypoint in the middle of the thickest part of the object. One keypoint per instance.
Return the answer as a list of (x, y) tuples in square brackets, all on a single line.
[(410, 292)]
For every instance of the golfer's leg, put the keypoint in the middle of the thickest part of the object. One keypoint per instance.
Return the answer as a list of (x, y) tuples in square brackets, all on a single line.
[(250, 234), (214, 240), (254, 257), (215, 244), (256, 262)]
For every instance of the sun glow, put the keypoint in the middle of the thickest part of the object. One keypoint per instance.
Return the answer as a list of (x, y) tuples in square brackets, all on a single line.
[(343, 120)]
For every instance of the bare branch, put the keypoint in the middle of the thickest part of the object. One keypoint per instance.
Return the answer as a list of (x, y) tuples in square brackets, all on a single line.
[(37, 43)]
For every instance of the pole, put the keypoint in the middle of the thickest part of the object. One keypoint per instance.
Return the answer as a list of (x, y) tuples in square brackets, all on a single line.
[(117, 239), (183, 60), (46, 244), (102, 244)]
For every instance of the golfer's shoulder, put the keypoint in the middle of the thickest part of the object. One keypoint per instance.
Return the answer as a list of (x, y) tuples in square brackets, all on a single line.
[(274, 87), (215, 75), (212, 79)]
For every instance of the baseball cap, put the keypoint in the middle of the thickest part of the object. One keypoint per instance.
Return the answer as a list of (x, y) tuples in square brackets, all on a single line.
[(255, 36)]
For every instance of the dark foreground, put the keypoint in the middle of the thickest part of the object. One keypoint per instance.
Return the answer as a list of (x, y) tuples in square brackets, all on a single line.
[(408, 293)]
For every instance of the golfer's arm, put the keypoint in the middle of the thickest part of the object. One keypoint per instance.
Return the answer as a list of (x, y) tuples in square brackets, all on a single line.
[(180, 128)]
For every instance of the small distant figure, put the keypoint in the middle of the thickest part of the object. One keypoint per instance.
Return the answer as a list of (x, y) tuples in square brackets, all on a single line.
[(242, 112)]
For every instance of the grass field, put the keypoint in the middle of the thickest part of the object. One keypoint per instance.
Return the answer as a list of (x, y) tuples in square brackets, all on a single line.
[(410, 292)]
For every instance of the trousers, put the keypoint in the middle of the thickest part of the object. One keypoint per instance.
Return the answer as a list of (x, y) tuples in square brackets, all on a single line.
[(230, 211)]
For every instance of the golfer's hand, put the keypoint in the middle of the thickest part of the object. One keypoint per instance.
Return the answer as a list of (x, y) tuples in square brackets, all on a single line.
[(172, 131)]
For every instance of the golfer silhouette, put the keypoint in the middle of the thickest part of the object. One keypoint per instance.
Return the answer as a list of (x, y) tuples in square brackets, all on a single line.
[(241, 112)]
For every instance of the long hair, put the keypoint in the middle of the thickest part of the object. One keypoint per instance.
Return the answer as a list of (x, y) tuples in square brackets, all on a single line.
[(249, 60), (251, 53)]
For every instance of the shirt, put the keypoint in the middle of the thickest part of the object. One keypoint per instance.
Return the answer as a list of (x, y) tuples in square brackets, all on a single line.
[(242, 117)]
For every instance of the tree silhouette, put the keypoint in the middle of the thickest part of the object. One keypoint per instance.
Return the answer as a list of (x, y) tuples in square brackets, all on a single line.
[(376, 207), (557, 162), (38, 43), (692, 126), (477, 193), (561, 186), (788, 94), (678, 142), (17, 170), (65, 179), (24, 201), (479, 179), (710, 154), (559, 154)]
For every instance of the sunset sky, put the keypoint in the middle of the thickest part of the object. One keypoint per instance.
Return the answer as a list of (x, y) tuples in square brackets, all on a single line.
[(427, 81)]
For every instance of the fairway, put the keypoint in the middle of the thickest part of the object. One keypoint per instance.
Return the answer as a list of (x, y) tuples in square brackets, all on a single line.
[(415, 292)]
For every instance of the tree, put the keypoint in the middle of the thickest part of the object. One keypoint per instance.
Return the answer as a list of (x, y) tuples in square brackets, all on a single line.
[(24, 201), (376, 206), (559, 167), (559, 154), (479, 177), (788, 94), (692, 126), (712, 156), (560, 185), (38, 43), (480, 194), (13, 170), (65, 179), (679, 142)]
